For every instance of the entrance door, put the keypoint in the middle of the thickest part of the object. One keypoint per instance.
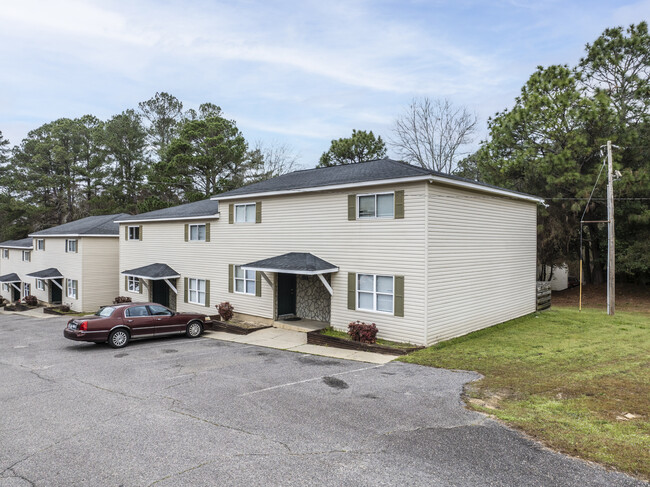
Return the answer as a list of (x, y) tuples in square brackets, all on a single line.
[(286, 294), (15, 294), (160, 293), (57, 293)]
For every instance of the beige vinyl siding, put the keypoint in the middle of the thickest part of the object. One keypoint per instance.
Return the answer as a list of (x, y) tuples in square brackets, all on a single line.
[(318, 223), (99, 285), (164, 242), (16, 264), (481, 261)]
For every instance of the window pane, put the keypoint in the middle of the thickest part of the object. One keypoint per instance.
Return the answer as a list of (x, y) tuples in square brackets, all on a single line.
[(250, 213), (201, 298), (385, 302), (239, 272), (384, 284), (194, 232), (201, 232), (385, 205), (240, 213), (250, 274), (239, 285), (200, 285), (366, 206), (250, 287), (366, 282), (365, 301)]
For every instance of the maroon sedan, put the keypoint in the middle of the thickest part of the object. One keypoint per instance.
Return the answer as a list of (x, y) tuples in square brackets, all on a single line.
[(120, 323)]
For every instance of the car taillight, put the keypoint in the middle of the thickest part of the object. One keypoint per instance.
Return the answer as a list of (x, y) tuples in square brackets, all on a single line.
[(83, 326)]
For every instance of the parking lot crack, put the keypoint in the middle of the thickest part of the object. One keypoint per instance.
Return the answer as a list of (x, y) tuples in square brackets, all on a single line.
[(181, 472), (17, 476), (109, 390)]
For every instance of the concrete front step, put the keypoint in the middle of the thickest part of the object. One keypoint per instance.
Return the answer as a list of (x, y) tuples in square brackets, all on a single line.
[(302, 325)]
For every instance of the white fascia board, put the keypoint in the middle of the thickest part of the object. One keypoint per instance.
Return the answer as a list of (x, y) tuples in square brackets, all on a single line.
[(285, 271), (151, 278), (13, 247), (204, 217), (332, 187), (71, 235), (486, 189)]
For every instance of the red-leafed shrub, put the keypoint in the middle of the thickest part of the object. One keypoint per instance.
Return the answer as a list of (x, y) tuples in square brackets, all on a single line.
[(30, 300), (362, 332), (122, 299), (226, 310)]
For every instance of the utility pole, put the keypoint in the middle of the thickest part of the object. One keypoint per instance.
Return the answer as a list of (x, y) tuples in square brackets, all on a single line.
[(611, 275)]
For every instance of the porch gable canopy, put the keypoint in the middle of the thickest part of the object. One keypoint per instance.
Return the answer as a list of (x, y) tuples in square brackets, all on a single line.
[(10, 278), (293, 263), (50, 273), (155, 272)]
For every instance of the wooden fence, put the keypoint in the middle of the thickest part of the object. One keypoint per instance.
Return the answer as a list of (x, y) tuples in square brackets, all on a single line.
[(543, 295)]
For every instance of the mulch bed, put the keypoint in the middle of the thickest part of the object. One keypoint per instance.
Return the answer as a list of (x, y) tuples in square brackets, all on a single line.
[(238, 328), (317, 338), (18, 307)]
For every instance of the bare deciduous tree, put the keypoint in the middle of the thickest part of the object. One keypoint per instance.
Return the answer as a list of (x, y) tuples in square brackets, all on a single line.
[(431, 132), (271, 160)]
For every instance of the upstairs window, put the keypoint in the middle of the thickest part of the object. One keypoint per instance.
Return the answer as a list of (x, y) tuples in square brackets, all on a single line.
[(380, 205), (197, 232), (27, 256), (70, 245), (245, 213), (134, 233), (40, 244)]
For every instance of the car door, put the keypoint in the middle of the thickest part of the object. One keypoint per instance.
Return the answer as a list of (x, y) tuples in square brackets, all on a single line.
[(164, 321), (139, 320)]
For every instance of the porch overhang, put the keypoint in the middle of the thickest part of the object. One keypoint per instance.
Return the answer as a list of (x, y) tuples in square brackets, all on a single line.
[(154, 272), (50, 273), (10, 278), (301, 263)]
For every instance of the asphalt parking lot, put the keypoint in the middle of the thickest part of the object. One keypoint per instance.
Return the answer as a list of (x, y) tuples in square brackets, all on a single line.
[(176, 411)]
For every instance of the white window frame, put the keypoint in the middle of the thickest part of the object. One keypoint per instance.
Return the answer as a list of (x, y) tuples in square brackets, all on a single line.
[(40, 244), (359, 217), (197, 226), (40, 285), (135, 228), (133, 284), (27, 256), (5, 253), (5, 286), (69, 247), (245, 280), (73, 289), (27, 289), (245, 205), (375, 293), (193, 287)]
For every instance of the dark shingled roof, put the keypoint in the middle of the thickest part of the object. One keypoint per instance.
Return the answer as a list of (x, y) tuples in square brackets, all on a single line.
[(50, 273), (92, 225), (24, 243), (13, 277), (378, 170), (153, 271), (294, 263), (189, 210)]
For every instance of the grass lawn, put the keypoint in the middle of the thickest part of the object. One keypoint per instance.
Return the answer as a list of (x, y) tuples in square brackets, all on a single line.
[(566, 378)]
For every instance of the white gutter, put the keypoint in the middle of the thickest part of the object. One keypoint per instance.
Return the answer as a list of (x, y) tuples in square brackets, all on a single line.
[(164, 278), (324, 188), (75, 235), (286, 271), (144, 220), (486, 189), (18, 248)]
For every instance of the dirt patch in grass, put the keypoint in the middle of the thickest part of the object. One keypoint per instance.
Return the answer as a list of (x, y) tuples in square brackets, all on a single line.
[(577, 381), (629, 297)]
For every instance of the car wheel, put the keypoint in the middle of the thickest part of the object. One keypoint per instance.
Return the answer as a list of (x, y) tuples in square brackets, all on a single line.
[(118, 338), (194, 329)]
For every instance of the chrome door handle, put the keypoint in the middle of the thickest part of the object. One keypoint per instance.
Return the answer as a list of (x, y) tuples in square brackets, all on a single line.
[(159, 319), (129, 321)]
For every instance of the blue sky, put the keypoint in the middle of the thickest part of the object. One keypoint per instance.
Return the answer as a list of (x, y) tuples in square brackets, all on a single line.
[(289, 72)]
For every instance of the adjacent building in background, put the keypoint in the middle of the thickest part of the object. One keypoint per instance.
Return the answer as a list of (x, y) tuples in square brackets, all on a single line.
[(75, 263), (15, 263)]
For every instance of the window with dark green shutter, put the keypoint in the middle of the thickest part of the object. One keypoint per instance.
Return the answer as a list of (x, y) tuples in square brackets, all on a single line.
[(352, 289)]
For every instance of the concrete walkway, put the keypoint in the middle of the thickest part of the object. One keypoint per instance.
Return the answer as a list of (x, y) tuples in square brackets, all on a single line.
[(32, 313), (296, 341)]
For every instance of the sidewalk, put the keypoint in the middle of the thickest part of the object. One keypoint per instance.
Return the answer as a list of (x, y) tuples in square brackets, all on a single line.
[(32, 313), (296, 341)]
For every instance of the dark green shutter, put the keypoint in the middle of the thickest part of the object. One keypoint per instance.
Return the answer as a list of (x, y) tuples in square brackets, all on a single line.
[(207, 293), (140, 232), (65, 288), (231, 270), (258, 212), (352, 207), (140, 284), (185, 293), (187, 232), (231, 213), (399, 296), (258, 283), (352, 290), (126, 232), (399, 204), (207, 232), (76, 249), (43, 244), (66, 245), (126, 283)]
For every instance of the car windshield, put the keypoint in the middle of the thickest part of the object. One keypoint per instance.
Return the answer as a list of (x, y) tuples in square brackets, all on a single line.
[(105, 312)]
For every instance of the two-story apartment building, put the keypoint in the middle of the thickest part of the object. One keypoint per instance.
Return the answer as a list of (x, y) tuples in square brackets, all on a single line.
[(15, 263), (425, 256), (75, 263)]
